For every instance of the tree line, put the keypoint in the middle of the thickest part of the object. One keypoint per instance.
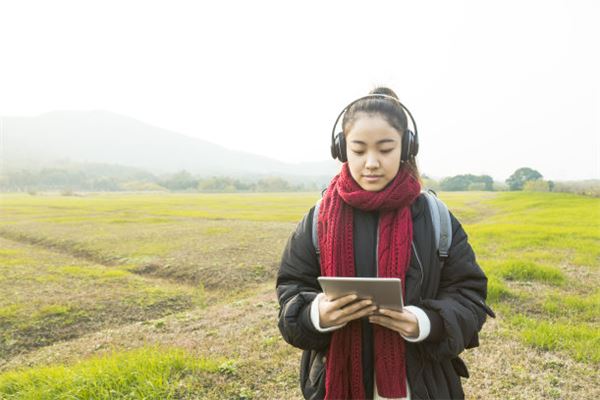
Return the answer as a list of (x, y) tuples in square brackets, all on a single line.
[(106, 177), (522, 179), (112, 178)]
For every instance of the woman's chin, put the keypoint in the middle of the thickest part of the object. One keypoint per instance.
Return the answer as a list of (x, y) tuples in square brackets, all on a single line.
[(372, 186)]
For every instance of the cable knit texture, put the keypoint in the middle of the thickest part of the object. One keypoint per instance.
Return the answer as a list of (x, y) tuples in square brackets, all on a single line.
[(344, 378)]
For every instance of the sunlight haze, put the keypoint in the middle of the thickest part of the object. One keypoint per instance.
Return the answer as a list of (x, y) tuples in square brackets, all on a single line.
[(493, 86)]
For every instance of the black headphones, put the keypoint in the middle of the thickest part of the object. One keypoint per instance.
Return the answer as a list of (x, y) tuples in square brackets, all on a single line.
[(410, 140)]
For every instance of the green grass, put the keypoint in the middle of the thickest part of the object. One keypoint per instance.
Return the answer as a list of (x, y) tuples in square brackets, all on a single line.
[(541, 252), (581, 340), (145, 373), (586, 308), (97, 274), (156, 208), (497, 290), (557, 227), (519, 270), (190, 238), (66, 262), (13, 257), (9, 311)]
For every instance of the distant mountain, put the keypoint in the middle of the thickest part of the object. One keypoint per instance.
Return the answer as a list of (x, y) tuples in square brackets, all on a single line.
[(105, 137)]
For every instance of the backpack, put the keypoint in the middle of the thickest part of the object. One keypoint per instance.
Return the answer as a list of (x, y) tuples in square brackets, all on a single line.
[(440, 216)]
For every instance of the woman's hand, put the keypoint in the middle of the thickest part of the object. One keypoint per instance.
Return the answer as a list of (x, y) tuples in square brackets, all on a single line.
[(404, 322), (343, 310)]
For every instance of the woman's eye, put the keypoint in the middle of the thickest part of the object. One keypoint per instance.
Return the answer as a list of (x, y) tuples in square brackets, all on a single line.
[(386, 150), (358, 152)]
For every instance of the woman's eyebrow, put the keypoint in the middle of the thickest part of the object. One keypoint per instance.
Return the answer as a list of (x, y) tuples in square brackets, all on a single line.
[(378, 142)]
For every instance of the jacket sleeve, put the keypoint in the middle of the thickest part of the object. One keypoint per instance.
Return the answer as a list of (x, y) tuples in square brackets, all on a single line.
[(460, 301), (297, 287)]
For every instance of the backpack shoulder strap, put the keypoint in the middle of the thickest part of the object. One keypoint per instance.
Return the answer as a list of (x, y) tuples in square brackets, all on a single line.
[(315, 225), (442, 226)]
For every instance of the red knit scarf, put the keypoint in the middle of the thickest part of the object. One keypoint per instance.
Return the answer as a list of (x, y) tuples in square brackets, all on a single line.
[(344, 375)]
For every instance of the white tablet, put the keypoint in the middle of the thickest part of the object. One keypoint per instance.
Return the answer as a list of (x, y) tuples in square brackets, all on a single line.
[(385, 292)]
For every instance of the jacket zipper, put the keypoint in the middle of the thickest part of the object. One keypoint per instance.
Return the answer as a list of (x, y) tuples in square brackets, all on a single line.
[(427, 391)]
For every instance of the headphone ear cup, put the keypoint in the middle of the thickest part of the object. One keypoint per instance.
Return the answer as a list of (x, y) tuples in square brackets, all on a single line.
[(333, 148), (406, 143), (410, 146), (415, 145), (342, 149), (338, 147)]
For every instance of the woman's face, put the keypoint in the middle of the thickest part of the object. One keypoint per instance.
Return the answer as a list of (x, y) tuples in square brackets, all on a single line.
[(373, 149)]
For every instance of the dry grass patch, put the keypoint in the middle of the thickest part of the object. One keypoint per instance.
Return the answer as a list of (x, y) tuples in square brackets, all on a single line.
[(46, 297)]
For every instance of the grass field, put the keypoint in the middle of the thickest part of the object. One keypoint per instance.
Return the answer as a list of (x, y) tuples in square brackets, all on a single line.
[(172, 295)]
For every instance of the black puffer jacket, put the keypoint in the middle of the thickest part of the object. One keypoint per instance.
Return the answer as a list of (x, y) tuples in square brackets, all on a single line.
[(453, 297)]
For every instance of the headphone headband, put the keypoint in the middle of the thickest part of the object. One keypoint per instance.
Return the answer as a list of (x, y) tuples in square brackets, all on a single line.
[(383, 96)]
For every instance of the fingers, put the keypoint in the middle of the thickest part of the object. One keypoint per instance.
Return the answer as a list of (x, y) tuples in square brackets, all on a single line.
[(397, 315), (355, 307), (404, 323), (352, 309), (359, 310), (346, 309), (383, 321), (389, 323), (342, 301)]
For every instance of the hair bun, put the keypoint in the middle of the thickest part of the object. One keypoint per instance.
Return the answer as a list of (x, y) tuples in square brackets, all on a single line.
[(384, 90)]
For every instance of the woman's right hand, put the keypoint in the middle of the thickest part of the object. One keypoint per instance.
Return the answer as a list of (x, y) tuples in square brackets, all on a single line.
[(343, 309)]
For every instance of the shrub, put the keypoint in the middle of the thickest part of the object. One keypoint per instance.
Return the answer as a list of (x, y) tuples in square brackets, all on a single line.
[(462, 182), (590, 187), (537, 185)]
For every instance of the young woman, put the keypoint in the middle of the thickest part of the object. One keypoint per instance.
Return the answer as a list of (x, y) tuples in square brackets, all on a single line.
[(373, 221)]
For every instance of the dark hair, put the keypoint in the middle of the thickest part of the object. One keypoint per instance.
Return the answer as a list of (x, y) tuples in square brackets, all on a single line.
[(390, 110)]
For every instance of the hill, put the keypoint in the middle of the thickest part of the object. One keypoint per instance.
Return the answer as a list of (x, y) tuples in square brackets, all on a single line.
[(105, 137)]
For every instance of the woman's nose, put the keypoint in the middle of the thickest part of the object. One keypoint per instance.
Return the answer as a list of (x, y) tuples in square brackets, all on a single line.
[(372, 161)]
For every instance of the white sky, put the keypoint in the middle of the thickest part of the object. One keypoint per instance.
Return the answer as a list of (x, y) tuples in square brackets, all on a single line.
[(494, 86)]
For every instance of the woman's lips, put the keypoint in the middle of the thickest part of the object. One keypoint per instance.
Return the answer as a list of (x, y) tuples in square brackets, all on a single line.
[(372, 178)]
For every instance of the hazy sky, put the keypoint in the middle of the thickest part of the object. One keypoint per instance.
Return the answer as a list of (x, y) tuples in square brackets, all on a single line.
[(493, 85)]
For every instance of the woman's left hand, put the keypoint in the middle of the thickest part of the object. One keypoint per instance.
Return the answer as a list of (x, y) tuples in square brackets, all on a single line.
[(404, 322)]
